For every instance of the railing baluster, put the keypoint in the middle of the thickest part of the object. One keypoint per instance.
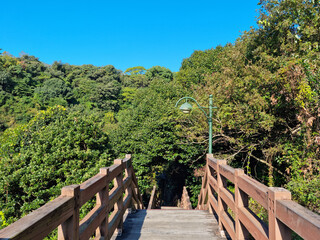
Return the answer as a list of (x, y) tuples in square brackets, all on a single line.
[(130, 189), (103, 199), (128, 173), (70, 228), (209, 192), (118, 183), (136, 189), (241, 200), (277, 230), (221, 205)]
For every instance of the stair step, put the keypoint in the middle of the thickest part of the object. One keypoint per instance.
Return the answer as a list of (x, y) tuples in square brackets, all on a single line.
[(168, 224), (170, 208)]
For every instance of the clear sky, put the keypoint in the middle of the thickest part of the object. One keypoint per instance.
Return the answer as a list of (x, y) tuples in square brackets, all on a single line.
[(121, 33)]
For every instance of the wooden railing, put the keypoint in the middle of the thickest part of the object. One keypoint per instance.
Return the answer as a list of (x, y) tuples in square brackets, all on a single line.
[(63, 212), (152, 200), (185, 202), (234, 214)]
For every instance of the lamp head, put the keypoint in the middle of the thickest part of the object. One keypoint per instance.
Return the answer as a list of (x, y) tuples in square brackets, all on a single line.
[(186, 107)]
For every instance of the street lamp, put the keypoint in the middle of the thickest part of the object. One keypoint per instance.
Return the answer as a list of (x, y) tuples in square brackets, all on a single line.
[(187, 107)]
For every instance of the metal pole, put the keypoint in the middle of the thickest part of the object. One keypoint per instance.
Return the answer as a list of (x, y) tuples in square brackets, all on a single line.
[(210, 123), (209, 117)]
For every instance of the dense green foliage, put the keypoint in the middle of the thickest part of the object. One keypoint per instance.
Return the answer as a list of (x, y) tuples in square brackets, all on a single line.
[(59, 123), (54, 149), (149, 130), (266, 88)]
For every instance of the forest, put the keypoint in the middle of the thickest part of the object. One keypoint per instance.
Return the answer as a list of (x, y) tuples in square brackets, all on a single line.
[(60, 123)]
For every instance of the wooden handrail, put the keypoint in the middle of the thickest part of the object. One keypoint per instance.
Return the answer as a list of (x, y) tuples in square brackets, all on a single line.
[(284, 215), (63, 212), (152, 200), (185, 200)]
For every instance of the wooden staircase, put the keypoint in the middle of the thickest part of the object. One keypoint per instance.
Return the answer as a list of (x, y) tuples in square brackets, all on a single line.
[(223, 207), (169, 223)]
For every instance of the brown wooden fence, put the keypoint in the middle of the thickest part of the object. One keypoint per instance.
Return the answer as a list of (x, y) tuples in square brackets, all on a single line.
[(63, 212), (234, 214)]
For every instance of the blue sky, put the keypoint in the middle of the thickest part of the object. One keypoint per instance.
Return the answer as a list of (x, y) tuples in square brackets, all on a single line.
[(121, 33)]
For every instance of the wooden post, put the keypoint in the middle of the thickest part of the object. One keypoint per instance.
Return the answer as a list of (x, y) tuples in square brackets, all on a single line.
[(201, 193), (210, 193), (118, 182), (128, 156), (70, 228), (128, 173), (103, 200), (222, 207), (241, 200), (136, 189), (205, 192), (277, 230)]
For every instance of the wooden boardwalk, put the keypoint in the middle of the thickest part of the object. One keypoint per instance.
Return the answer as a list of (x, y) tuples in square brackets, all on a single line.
[(284, 215), (170, 224)]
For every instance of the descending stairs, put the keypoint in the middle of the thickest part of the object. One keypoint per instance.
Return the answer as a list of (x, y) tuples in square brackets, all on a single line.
[(170, 223)]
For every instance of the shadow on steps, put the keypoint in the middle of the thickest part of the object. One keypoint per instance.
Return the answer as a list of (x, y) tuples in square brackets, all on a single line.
[(132, 226)]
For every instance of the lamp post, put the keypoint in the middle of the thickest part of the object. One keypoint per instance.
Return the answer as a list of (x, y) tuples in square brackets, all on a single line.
[(187, 107)]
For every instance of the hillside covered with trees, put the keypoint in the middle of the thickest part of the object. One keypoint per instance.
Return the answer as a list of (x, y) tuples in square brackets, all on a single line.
[(60, 123)]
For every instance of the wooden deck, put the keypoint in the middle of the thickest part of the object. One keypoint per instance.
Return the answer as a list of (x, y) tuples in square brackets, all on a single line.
[(215, 199), (171, 223)]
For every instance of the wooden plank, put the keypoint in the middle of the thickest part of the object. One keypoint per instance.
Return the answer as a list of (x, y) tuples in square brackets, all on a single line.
[(152, 198), (127, 162), (115, 194), (213, 183), (228, 198), (199, 201), (126, 202), (127, 182), (228, 224), (117, 216), (227, 172), (102, 199), (134, 194), (204, 198), (212, 162), (89, 188), (113, 222), (277, 229), (204, 180), (254, 189), (118, 182), (170, 225), (136, 188), (221, 183), (214, 203), (240, 200), (253, 224), (70, 228), (134, 180), (91, 221), (39, 223), (114, 171), (299, 219)]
